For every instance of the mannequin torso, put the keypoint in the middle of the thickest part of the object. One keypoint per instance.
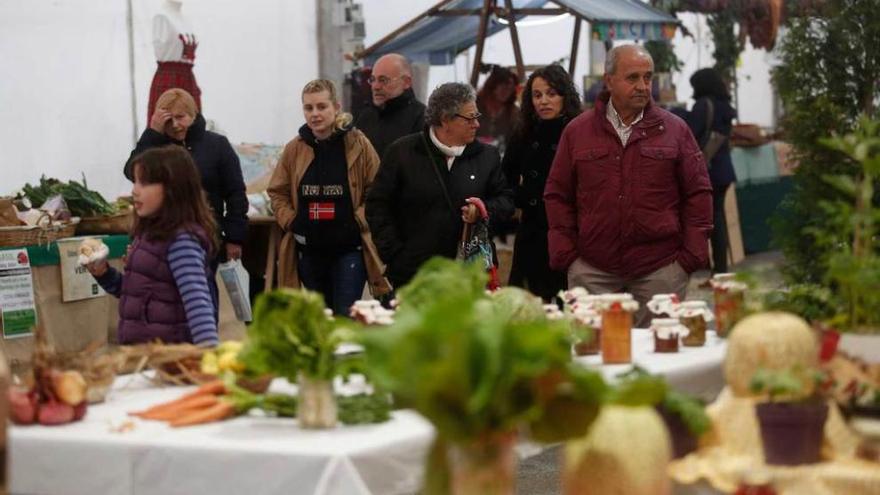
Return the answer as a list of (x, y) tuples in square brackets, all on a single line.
[(173, 38)]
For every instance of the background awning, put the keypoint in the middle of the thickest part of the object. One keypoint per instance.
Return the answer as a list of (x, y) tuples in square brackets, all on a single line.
[(438, 38)]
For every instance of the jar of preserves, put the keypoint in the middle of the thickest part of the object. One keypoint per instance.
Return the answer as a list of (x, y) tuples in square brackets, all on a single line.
[(617, 320), (694, 315), (729, 295), (667, 331)]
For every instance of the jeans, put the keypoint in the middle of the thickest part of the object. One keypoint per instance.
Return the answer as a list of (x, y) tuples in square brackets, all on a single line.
[(340, 278)]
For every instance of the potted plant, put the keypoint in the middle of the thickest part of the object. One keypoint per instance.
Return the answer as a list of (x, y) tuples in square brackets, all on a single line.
[(481, 368), (792, 419), (292, 337), (854, 268)]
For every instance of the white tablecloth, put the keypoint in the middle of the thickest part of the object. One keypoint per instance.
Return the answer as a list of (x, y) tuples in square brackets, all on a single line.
[(693, 370), (246, 455), (253, 455)]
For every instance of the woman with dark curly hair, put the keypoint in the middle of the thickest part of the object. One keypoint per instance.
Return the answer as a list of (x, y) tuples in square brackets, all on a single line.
[(549, 102)]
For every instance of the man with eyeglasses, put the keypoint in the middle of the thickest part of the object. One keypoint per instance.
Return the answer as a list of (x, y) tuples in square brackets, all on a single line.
[(394, 111)]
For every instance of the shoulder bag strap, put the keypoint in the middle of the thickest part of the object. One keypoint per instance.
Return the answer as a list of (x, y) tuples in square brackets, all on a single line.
[(440, 180)]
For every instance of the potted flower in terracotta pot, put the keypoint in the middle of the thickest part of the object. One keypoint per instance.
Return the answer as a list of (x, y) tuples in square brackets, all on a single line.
[(792, 419)]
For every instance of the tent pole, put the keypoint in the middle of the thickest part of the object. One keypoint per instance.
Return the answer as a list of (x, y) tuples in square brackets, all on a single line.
[(514, 38), (481, 40), (393, 34), (129, 25), (575, 41)]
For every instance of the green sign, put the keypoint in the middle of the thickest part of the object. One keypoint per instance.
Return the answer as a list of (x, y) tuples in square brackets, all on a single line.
[(18, 312)]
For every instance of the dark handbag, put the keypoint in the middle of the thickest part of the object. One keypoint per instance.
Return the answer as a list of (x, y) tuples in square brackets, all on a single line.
[(476, 247), (712, 140)]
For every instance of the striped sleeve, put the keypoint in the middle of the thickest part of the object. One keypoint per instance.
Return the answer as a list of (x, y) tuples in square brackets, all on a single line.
[(111, 281), (187, 260)]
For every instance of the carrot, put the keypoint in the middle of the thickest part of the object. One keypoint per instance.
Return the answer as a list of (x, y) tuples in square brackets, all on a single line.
[(214, 387), (165, 412), (211, 389), (217, 412)]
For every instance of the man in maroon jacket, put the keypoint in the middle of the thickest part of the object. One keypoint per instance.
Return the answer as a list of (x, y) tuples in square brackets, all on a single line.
[(629, 203)]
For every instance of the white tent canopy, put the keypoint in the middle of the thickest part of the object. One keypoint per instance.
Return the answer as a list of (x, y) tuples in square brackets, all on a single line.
[(66, 92)]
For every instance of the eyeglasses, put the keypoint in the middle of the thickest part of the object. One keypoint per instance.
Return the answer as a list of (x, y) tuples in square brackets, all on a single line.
[(475, 117), (382, 80)]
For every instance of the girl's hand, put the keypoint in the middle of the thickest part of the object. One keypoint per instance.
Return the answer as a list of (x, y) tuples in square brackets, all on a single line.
[(97, 268)]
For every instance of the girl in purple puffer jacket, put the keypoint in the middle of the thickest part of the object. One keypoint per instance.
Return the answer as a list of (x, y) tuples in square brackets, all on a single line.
[(164, 293)]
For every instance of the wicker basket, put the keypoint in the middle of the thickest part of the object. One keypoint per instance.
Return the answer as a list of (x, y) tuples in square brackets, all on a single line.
[(35, 235), (119, 223)]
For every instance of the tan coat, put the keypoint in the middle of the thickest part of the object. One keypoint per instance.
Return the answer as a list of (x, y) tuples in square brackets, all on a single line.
[(363, 163)]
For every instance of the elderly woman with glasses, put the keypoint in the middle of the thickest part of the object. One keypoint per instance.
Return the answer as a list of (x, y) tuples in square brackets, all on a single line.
[(433, 182)]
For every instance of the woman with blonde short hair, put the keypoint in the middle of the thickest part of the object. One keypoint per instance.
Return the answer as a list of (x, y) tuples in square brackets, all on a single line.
[(176, 120), (317, 192)]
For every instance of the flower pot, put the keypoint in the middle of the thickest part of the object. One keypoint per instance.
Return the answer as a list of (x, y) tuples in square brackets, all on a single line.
[(792, 432), (316, 408), (484, 466), (683, 441)]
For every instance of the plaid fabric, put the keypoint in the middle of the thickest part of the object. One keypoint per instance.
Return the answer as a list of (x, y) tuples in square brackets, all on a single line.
[(173, 75)]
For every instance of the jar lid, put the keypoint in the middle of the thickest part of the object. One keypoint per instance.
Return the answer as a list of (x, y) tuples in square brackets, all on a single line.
[(668, 328), (588, 317), (695, 304), (589, 302), (727, 282), (572, 294), (690, 309), (663, 304), (624, 300)]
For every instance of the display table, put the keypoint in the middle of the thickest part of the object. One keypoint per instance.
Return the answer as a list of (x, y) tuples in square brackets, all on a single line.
[(693, 370), (256, 455), (251, 455)]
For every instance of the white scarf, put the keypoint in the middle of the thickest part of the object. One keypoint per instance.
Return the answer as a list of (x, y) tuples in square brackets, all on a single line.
[(450, 152)]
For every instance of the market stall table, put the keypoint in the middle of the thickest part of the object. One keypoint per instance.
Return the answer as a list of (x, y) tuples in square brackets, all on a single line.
[(258, 455), (253, 455), (693, 370)]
